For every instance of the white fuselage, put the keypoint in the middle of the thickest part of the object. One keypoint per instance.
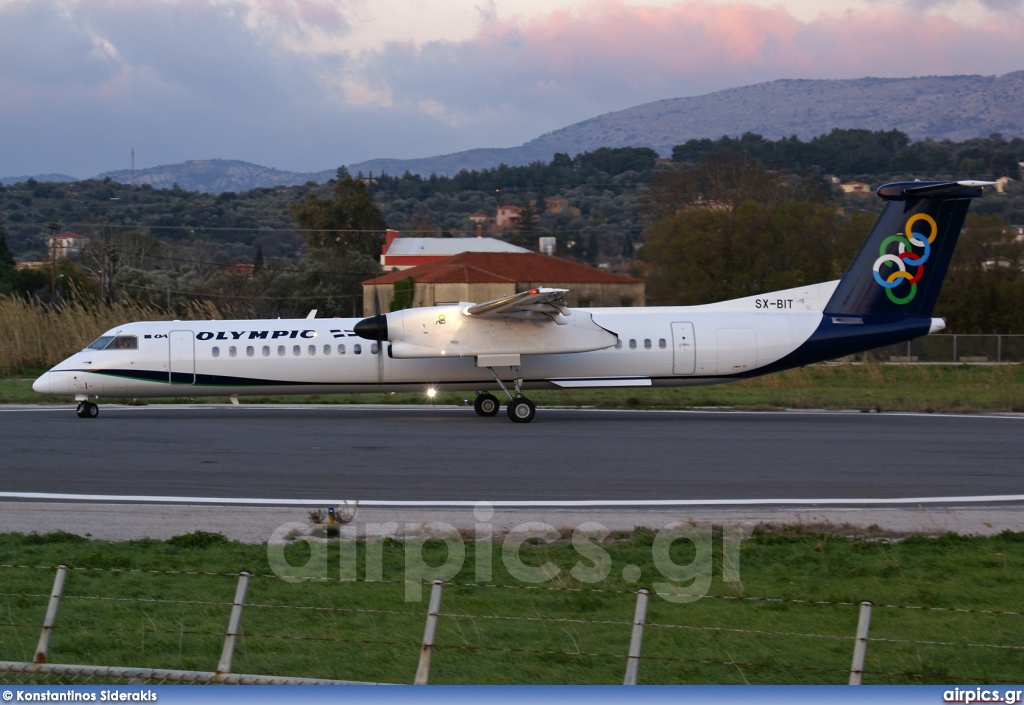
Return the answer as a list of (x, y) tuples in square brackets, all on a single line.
[(657, 346)]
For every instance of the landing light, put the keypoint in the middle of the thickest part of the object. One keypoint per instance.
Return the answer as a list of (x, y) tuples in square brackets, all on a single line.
[(431, 392)]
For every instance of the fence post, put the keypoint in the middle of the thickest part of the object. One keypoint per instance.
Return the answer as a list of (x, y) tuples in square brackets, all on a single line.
[(999, 348), (423, 669), (860, 646), (51, 614), (954, 348), (228, 653), (637, 639)]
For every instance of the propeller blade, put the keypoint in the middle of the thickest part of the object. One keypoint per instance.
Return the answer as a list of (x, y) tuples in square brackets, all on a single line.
[(380, 339)]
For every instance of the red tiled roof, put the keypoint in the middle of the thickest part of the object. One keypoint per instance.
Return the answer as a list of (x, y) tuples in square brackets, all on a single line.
[(478, 267)]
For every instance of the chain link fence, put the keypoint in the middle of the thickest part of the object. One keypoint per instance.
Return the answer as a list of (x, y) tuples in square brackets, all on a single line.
[(962, 349)]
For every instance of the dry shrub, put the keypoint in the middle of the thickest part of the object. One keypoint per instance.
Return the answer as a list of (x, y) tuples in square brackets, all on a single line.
[(35, 336)]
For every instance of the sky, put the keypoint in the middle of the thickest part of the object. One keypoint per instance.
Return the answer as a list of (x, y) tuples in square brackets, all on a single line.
[(308, 85)]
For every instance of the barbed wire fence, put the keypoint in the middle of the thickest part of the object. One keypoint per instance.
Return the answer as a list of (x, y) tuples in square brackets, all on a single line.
[(46, 668)]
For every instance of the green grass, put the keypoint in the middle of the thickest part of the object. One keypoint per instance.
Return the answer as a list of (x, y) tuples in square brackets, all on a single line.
[(367, 631), (928, 388)]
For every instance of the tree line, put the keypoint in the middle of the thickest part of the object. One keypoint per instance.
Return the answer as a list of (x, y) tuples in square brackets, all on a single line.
[(728, 227), (718, 222), (853, 152)]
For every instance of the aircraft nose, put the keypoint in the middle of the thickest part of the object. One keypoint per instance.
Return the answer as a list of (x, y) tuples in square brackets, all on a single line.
[(42, 385)]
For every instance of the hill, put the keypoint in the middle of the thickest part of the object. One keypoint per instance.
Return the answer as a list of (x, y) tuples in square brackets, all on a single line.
[(941, 107), (48, 178), (216, 176)]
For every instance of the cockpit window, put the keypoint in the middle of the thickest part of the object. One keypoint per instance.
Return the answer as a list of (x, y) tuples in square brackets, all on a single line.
[(101, 343), (118, 342)]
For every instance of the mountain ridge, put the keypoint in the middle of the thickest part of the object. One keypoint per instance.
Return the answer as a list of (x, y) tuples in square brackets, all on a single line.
[(940, 107)]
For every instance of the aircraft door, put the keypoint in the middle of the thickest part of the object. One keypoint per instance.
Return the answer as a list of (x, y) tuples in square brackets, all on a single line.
[(181, 368), (684, 349)]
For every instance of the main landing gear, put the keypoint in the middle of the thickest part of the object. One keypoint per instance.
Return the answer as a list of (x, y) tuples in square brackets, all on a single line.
[(87, 410), (520, 409), (486, 404)]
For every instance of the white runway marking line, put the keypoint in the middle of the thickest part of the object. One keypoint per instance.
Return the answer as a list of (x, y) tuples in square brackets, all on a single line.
[(452, 408), (509, 504)]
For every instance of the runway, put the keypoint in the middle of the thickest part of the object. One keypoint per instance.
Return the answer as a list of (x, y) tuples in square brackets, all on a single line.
[(425, 454)]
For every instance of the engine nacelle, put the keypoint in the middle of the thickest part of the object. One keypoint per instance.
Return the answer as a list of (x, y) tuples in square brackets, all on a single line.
[(447, 331)]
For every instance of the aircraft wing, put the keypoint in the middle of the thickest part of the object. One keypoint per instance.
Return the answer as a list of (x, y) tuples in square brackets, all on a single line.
[(533, 322), (535, 301)]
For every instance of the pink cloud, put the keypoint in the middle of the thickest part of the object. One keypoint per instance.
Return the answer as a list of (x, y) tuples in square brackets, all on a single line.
[(740, 42)]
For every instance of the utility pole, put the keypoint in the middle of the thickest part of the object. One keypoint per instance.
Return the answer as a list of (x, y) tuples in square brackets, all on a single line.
[(54, 227)]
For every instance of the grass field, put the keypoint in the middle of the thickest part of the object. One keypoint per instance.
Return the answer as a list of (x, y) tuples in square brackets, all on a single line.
[(165, 604), (872, 386)]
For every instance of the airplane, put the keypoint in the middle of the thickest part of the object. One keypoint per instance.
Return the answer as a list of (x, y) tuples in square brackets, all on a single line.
[(532, 340)]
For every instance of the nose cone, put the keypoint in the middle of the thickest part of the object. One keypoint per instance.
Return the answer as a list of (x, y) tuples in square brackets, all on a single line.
[(372, 328), (42, 385)]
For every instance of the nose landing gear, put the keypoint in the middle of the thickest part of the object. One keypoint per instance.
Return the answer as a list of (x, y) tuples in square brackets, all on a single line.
[(87, 410)]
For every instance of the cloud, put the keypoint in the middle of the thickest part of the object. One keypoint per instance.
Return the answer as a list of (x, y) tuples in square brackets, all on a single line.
[(307, 84), (610, 55)]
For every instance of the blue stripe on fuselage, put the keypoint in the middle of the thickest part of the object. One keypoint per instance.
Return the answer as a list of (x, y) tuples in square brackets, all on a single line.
[(833, 340)]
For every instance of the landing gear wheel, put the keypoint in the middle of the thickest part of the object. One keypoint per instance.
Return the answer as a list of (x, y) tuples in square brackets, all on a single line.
[(521, 410), (87, 410), (486, 405)]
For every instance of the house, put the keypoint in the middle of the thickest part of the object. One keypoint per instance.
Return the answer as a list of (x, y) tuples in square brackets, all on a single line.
[(405, 252), (855, 187), (483, 276), (507, 217), (65, 245), (1002, 182)]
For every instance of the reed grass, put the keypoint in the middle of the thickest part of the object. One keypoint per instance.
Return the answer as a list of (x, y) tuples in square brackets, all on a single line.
[(35, 336)]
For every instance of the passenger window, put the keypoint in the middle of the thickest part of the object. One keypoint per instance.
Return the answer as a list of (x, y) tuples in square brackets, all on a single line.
[(632, 343), (373, 348), (266, 351), (232, 351), (249, 351), (327, 350), (661, 343), (618, 344), (280, 351), (312, 350), (296, 350), (357, 349), (647, 343), (341, 349), (216, 351)]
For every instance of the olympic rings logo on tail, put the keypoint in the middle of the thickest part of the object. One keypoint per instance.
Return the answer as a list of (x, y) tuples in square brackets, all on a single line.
[(905, 256)]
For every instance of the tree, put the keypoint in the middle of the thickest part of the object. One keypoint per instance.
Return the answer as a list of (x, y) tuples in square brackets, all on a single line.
[(331, 281), (525, 235), (725, 181), (7, 271), (347, 222), (985, 282), (702, 255), (6, 256)]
